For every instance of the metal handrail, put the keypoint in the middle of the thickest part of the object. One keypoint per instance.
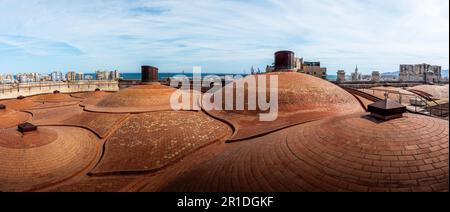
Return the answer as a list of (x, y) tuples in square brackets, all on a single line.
[(417, 96)]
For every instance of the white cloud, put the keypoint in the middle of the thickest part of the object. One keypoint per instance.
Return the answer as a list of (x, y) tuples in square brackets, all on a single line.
[(229, 35)]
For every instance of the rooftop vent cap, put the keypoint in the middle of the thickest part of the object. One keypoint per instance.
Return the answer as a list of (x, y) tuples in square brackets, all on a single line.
[(2, 107), (97, 90), (387, 109), (26, 127), (21, 97), (56, 92)]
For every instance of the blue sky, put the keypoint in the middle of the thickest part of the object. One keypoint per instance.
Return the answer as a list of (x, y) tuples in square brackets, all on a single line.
[(222, 36)]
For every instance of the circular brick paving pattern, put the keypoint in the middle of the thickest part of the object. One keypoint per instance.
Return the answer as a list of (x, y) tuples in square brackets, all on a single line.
[(20, 104), (87, 95), (54, 98), (158, 139), (11, 118), (363, 154), (301, 98), (437, 91), (91, 98), (13, 139), (139, 98), (31, 168), (97, 184), (100, 123), (350, 153)]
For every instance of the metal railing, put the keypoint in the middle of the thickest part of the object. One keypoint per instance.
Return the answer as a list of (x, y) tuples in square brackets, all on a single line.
[(420, 104)]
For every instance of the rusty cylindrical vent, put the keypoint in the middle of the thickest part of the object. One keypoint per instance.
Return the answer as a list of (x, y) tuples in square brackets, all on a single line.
[(149, 74), (284, 60)]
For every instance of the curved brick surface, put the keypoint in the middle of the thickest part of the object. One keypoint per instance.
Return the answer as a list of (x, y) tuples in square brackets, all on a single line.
[(29, 104), (11, 118), (137, 99), (87, 95), (53, 115), (54, 98), (350, 153), (343, 150), (20, 104), (405, 96), (91, 98), (97, 184), (158, 139), (439, 92), (100, 123), (32, 168), (13, 139), (302, 98)]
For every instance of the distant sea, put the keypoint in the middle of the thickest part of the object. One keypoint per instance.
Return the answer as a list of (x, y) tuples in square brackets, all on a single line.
[(331, 78)]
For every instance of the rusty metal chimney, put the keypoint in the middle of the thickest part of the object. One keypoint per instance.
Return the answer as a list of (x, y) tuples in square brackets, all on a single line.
[(149, 74)]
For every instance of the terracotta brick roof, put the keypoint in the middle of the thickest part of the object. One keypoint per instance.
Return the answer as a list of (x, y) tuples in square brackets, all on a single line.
[(302, 98), (132, 141), (352, 153)]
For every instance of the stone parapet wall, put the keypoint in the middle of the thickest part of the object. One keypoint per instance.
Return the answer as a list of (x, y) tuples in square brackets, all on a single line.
[(11, 91)]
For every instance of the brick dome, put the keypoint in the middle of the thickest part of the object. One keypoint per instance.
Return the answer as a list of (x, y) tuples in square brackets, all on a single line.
[(54, 98), (349, 153), (10, 118), (20, 104), (437, 91), (47, 156), (302, 98), (140, 98)]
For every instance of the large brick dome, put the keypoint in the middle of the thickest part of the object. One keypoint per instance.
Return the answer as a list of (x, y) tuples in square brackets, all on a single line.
[(301, 98), (44, 157), (141, 98)]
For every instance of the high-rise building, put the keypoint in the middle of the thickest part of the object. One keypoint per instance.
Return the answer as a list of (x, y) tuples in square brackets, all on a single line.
[(298, 64), (314, 69), (46, 78), (71, 76), (79, 76), (340, 76), (420, 72), (28, 77), (407, 73), (57, 76), (437, 71), (116, 75), (102, 75)]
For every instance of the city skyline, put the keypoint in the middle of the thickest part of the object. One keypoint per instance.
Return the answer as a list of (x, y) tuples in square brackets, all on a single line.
[(220, 36)]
